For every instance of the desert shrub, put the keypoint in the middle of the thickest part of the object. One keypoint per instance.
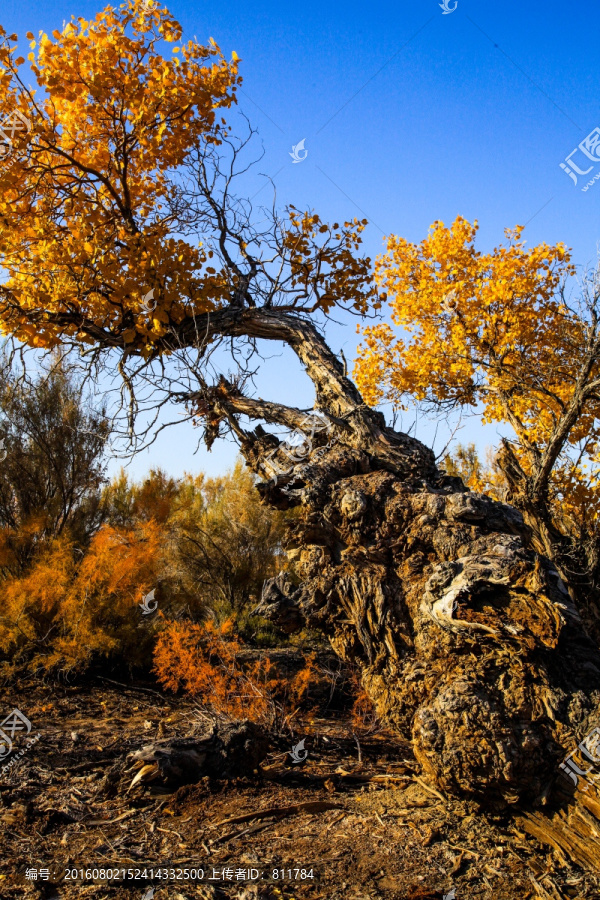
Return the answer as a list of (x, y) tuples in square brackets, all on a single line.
[(226, 541), (201, 660), (154, 498), (99, 616), (221, 542), (204, 661), (66, 612), (31, 602), (202, 545), (53, 437)]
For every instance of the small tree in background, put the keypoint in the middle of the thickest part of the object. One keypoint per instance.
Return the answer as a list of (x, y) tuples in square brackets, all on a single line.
[(221, 543), (226, 543), (130, 502), (497, 332), (487, 478), (53, 471)]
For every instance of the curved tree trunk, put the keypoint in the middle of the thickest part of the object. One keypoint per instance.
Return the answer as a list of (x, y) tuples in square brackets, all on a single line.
[(575, 557), (465, 635)]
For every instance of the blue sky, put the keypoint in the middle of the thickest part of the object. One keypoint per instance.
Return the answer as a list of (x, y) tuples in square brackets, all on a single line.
[(408, 116)]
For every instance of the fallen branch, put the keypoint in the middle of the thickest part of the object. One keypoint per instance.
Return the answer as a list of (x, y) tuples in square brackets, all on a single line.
[(253, 829), (368, 779), (311, 806), (430, 789), (358, 746)]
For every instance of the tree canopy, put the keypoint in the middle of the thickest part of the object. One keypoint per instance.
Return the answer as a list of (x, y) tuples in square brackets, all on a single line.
[(499, 333), (87, 209), (118, 170)]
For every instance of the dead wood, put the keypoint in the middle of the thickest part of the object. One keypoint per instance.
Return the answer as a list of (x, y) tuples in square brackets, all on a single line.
[(311, 806), (465, 636), (225, 751)]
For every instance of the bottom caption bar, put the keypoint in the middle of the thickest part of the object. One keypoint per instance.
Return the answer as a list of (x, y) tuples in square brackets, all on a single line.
[(151, 873)]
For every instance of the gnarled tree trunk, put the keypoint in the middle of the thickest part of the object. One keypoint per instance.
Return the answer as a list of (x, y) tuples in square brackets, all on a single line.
[(465, 637), (464, 634), (576, 557)]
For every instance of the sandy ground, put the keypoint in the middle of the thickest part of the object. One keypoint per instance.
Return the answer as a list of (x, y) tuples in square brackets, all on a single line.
[(356, 815)]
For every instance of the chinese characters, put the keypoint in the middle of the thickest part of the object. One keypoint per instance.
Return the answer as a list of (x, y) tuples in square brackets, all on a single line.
[(589, 148), (10, 126), (590, 748)]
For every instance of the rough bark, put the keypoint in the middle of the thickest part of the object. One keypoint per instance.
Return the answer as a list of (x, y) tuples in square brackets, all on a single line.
[(465, 635), (575, 556), (466, 638), (223, 752)]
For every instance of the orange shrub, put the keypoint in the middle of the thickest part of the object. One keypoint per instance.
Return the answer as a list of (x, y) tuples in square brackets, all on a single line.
[(201, 660), (99, 615), (31, 603), (73, 611), (204, 661)]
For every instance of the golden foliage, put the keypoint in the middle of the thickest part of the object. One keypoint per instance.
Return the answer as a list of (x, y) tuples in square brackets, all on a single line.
[(200, 661), (483, 478), (84, 204), (91, 210), (75, 611), (329, 268), (493, 331), (474, 323)]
